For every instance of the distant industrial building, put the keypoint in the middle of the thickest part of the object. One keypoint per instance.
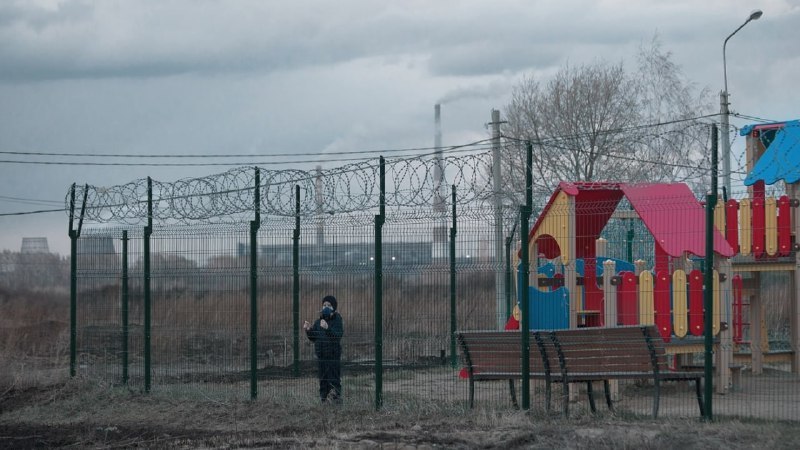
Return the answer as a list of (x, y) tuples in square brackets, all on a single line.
[(352, 254), (34, 245)]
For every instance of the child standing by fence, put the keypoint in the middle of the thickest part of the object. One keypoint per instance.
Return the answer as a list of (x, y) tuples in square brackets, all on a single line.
[(326, 334)]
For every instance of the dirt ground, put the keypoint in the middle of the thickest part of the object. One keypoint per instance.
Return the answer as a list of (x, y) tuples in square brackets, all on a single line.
[(84, 414)]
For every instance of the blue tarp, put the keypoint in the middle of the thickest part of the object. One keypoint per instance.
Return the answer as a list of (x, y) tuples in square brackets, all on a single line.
[(781, 160)]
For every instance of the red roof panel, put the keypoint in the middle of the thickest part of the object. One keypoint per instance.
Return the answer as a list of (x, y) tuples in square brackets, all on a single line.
[(675, 218), (670, 212)]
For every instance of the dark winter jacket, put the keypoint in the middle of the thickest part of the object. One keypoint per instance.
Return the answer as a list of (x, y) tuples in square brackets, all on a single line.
[(327, 343)]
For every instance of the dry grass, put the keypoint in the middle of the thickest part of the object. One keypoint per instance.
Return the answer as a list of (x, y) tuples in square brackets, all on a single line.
[(84, 414), (39, 406)]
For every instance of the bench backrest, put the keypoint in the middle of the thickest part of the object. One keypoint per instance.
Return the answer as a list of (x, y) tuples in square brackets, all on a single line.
[(602, 350), (582, 350), (499, 352)]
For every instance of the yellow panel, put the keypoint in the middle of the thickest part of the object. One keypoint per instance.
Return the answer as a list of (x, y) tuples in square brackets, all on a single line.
[(745, 224), (771, 225), (719, 217), (684, 349), (680, 318), (715, 311), (646, 315), (555, 224), (765, 267)]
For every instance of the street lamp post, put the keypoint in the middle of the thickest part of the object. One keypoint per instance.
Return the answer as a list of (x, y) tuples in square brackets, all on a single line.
[(723, 103)]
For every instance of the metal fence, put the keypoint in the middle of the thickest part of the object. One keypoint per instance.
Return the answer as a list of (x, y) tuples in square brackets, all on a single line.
[(217, 308)]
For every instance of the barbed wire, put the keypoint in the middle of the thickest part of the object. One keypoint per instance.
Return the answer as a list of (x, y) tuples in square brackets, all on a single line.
[(230, 196)]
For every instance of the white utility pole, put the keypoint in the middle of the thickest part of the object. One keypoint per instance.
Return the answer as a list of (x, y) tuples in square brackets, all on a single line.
[(499, 242)]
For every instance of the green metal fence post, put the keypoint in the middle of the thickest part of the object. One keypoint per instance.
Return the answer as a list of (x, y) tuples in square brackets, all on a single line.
[(148, 231), (73, 286), (629, 240), (379, 221), (125, 329), (254, 226), (73, 277), (296, 284), (453, 324), (708, 282), (524, 304)]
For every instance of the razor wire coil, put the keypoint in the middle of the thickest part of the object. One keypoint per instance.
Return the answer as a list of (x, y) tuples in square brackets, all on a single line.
[(230, 196)]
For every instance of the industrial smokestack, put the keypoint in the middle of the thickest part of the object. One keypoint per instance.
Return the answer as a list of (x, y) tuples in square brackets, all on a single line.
[(437, 122), (438, 169), (318, 197), (439, 249)]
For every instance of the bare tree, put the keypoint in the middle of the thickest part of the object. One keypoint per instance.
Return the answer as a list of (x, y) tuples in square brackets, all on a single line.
[(599, 122)]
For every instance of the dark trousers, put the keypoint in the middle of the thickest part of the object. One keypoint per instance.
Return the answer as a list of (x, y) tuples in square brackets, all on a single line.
[(330, 377)]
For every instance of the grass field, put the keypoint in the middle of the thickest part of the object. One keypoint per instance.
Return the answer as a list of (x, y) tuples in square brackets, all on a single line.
[(40, 406), (80, 413)]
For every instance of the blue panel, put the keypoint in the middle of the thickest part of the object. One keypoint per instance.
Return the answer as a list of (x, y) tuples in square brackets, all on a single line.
[(579, 267), (620, 265), (548, 310), (781, 160), (548, 269)]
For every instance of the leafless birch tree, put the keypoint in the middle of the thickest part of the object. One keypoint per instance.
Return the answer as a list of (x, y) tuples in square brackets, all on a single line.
[(601, 122)]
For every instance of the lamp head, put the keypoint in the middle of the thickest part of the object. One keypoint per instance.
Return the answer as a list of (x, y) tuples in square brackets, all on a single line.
[(756, 14)]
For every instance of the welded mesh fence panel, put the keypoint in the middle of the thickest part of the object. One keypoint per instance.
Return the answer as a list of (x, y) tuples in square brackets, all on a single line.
[(101, 343), (416, 306), (335, 256), (341, 263), (200, 308)]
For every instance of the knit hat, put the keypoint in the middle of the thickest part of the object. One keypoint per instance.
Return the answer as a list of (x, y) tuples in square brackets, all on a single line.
[(330, 299)]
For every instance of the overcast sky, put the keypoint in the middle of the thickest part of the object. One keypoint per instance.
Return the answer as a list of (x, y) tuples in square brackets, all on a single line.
[(267, 77)]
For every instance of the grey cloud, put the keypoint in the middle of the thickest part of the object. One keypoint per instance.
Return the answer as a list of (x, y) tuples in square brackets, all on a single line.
[(152, 39), (30, 15), (496, 89), (76, 41), (489, 58)]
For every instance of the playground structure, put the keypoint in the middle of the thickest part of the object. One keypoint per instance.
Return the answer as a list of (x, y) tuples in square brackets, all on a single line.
[(575, 277)]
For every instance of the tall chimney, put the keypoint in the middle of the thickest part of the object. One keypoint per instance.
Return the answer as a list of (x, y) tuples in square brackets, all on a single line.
[(440, 244), (437, 121), (438, 169), (318, 197)]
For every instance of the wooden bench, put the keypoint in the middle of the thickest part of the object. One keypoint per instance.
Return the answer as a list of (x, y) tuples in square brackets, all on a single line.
[(495, 355), (574, 356)]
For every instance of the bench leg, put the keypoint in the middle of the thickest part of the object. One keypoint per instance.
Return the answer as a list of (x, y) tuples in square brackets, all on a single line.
[(699, 393), (566, 398), (471, 393), (607, 390), (656, 396), (736, 377), (513, 392), (590, 393), (547, 394)]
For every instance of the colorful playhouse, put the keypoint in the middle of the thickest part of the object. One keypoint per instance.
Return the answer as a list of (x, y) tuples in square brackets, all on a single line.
[(578, 284)]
